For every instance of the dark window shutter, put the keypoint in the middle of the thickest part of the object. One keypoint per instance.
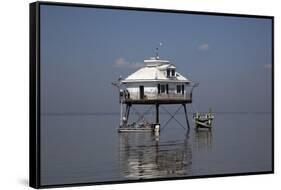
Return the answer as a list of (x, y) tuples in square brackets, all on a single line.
[(167, 88), (162, 88), (178, 88), (158, 88)]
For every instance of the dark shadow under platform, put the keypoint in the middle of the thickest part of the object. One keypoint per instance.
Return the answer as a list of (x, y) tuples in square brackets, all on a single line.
[(158, 101)]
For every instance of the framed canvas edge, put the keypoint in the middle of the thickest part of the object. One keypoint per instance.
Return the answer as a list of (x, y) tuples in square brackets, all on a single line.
[(34, 94)]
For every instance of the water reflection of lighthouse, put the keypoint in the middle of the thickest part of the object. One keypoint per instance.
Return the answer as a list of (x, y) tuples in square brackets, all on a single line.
[(142, 156)]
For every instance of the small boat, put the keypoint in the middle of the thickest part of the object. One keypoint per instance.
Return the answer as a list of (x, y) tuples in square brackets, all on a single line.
[(203, 121)]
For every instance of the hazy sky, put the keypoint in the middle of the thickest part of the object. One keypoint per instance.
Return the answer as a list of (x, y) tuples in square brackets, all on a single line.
[(84, 49)]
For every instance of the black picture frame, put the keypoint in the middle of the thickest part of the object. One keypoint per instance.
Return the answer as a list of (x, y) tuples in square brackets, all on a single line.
[(34, 93)]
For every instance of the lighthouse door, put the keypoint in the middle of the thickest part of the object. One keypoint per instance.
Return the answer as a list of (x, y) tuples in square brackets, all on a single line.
[(141, 92)]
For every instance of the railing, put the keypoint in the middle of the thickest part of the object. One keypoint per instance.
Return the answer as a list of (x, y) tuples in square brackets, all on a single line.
[(156, 96), (172, 96), (135, 96)]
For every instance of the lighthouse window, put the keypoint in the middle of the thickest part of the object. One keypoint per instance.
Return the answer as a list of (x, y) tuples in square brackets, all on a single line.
[(179, 88), (168, 72), (173, 72), (162, 88)]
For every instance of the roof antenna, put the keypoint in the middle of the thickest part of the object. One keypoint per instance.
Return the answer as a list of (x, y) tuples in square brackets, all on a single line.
[(157, 53)]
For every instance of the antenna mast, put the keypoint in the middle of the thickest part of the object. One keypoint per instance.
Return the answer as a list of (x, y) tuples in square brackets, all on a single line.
[(157, 51)]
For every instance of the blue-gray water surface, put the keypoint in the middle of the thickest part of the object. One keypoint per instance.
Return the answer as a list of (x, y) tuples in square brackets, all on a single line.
[(81, 148)]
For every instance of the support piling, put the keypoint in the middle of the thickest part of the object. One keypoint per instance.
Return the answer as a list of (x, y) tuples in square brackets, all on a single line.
[(157, 113), (186, 116)]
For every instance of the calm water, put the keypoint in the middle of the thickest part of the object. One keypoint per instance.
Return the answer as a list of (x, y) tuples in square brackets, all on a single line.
[(87, 148)]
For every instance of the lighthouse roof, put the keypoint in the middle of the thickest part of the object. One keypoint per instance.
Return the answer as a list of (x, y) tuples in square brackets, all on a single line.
[(152, 62), (155, 71)]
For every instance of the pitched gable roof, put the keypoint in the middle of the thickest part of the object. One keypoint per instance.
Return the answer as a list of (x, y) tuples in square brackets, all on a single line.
[(150, 73)]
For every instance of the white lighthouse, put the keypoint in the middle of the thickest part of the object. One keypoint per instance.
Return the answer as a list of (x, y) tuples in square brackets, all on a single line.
[(157, 82)]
